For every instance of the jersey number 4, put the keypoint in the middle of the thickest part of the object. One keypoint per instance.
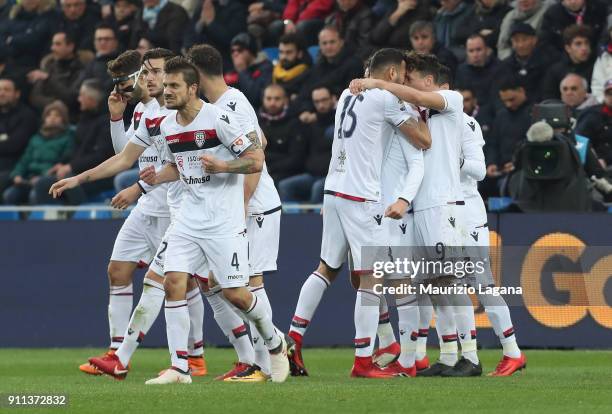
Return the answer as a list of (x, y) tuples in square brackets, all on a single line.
[(347, 110)]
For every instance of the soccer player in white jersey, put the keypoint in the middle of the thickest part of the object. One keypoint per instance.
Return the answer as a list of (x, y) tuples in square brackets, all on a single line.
[(352, 206), (210, 154), (439, 205), (263, 209), (116, 364)]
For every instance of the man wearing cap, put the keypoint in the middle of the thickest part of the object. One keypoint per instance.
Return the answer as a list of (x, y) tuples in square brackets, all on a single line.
[(530, 12), (252, 70), (596, 124)]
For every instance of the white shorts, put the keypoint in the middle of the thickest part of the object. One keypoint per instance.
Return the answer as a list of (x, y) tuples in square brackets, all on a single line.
[(400, 232), (263, 231), (139, 237), (352, 225), (157, 265), (477, 241), (227, 258)]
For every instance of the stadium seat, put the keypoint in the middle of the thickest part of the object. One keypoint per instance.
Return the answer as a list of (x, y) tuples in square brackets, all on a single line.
[(314, 52), (272, 53), (92, 215), (9, 215), (36, 215), (102, 197), (499, 204)]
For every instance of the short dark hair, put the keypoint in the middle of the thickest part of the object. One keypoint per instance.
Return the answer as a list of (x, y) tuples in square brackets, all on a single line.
[(158, 53), (207, 59), (322, 86), (69, 36), (180, 64), (511, 83), (12, 80), (477, 36), (332, 28), (125, 64), (576, 30), (445, 75), (96, 86), (108, 26), (424, 64), (465, 88), (292, 39), (420, 26), (384, 58)]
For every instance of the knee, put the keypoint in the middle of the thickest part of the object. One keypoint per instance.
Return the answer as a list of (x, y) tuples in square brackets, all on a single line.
[(327, 272), (175, 285), (239, 297), (119, 273)]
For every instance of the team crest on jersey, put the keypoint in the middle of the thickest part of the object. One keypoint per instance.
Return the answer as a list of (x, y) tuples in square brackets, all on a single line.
[(179, 161), (200, 137)]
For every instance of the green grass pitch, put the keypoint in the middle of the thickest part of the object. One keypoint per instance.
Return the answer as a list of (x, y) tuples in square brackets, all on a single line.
[(554, 382)]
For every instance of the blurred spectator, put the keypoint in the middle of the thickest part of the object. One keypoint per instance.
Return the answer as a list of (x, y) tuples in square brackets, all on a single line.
[(335, 68), (596, 124), (92, 146), (393, 29), (145, 44), (565, 13), (304, 17), (58, 75), (293, 65), (423, 40), (602, 71), (163, 22), (80, 19), (217, 23), (26, 33), (574, 94), (9, 70), (107, 49), (511, 124), (5, 8), (285, 149), (530, 12), (252, 69), (354, 21), (528, 61), (577, 59), (53, 143), (453, 15), (17, 124), (190, 5), (318, 137), (479, 69), (485, 20), (483, 114), (123, 18), (264, 21)]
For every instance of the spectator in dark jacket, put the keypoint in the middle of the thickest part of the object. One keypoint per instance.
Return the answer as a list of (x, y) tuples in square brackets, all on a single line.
[(335, 68), (92, 146), (252, 70), (162, 21), (123, 18), (80, 19), (285, 149), (578, 58), (423, 40), (50, 145), (107, 49), (530, 12), (26, 33), (293, 65), (452, 15), (58, 75), (17, 124), (304, 17), (485, 20), (10, 71), (565, 13), (354, 21), (479, 69), (217, 23), (393, 30), (528, 61), (596, 124), (318, 137)]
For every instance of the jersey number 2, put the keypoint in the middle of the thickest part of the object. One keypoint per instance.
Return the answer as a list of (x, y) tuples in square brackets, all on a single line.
[(347, 109)]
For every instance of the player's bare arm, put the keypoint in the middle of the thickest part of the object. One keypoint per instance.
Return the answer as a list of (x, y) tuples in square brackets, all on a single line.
[(167, 174), (431, 100), (416, 132), (251, 180), (126, 197), (250, 161), (112, 166)]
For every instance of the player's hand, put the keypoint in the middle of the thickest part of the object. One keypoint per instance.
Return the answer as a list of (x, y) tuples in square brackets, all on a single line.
[(116, 104), (126, 197), (492, 171), (213, 165), (58, 188), (397, 210), (148, 175)]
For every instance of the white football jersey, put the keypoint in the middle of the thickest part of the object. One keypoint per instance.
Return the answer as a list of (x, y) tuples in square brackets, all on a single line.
[(265, 197), (441, 183), (213, 204), (364, 125), (148, 135), (471, 155), (398, 157)]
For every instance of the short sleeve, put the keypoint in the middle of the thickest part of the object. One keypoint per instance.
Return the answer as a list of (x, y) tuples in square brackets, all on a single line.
[(396, 111), (453, 101), (141, 135), (231, 134)]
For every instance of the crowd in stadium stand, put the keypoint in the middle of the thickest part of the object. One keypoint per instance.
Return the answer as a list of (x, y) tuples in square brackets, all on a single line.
[(292, 59)]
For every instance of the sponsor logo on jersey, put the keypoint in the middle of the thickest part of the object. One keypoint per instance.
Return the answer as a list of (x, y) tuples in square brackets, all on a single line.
[(236, 146), (137, 117), (378, 219), (474, 235), (179, 161), (403, 228), (196, 180), (259, 220), (225, 118), (451, 220), (232, 106), (192, 140), (147, 158), (153, 125), (234, 277), (472, 125)]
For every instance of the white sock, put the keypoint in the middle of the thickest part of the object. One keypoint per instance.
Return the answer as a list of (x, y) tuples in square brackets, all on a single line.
[(261, 294), (195, 306), (144, 315), (177, 331), (258, 314), (366, 322), (466, 326), (120, 302), (310, 297), (499, 314), (425, 317), (232, 326), (408, 321), (262, 356), (446, 328), (385, 333)]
